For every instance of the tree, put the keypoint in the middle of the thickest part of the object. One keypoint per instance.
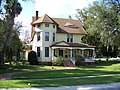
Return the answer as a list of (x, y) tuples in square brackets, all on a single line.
[(9, 39), (12, 8), (102, 22)]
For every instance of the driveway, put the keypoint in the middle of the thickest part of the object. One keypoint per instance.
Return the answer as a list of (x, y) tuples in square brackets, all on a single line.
[(112, 86)]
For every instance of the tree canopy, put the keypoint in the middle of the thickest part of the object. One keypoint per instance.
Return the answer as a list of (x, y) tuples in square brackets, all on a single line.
[(9, 36), (102, 22)]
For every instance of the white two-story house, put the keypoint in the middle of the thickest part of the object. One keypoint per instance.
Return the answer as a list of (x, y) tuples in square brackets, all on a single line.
[(52, 37)]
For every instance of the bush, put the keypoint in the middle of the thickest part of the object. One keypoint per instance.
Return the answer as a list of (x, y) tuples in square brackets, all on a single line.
[(32, 58), (58, 61), (79, 59)]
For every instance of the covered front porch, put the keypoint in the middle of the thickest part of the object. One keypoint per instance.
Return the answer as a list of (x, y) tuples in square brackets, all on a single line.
[(68, 51)]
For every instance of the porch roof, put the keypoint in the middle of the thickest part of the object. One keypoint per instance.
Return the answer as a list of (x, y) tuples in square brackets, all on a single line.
[(67, 44)]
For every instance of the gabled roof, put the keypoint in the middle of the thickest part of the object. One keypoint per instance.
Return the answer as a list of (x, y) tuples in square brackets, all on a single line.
[(44, 19), (63, 29), (67, 44), (70, 26)]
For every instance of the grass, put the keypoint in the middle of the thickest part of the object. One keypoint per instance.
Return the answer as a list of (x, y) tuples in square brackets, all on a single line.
[(62, 74), (101, 68), (26, 67), (62, 82)]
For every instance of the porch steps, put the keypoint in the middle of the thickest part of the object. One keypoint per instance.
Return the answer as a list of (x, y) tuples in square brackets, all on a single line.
[(68, 63)]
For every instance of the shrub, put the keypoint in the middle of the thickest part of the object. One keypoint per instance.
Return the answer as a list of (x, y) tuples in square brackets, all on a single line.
[(32, 58), (79, 59), (58, 61)]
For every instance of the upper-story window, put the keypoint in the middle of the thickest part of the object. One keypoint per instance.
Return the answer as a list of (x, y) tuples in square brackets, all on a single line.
[(69, 37), (46, 36), (46, 25), (53, 26), (38, 25), (38, 36), (53, 37)]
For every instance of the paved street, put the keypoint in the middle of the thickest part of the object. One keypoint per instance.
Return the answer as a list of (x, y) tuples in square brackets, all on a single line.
[(113, 86)]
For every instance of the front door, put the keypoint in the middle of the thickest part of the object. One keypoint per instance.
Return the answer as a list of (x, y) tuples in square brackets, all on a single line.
[(61, 53)]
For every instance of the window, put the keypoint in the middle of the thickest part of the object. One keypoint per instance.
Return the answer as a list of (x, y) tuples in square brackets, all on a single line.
[(46, 25), (72, 26), (46, 36), (69, 38), (46, 51), (54, 52), (38, 36), (38, 25), (53, 26), (38, 51), (53, 37)]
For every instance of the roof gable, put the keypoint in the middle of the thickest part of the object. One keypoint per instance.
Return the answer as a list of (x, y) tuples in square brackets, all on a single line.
[(67, 44), (44, 19), (62, 43)]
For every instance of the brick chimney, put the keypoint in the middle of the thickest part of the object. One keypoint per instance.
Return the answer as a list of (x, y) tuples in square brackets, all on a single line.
[(36, 15)]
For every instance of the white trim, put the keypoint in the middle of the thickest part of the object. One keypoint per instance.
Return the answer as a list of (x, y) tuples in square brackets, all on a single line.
[(73, 48), (52, 54), (62, 47)]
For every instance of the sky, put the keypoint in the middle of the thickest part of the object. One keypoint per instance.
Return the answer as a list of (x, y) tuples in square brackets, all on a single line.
[(53, 8)]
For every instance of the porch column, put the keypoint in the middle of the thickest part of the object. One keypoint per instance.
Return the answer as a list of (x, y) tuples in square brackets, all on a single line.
[(82, 52), (94, 54), (52, 54), (70, 53)]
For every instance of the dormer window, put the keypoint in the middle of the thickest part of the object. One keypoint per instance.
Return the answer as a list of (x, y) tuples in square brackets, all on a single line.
[(70, 25), (46, 25)]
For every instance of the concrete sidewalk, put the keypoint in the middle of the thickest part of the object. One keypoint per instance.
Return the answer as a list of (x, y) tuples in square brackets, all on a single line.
[(112, 86)]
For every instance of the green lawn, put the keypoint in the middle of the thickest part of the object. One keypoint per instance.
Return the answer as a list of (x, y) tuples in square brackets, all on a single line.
[(26, 67), (101, 68), (110, 67), (62, 82)]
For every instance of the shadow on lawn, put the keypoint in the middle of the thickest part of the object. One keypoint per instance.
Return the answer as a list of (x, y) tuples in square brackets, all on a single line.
[(62, 74), (19, 68), (69, 82)]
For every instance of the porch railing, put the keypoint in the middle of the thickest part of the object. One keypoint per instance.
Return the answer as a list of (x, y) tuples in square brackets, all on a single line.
[(72, 60)]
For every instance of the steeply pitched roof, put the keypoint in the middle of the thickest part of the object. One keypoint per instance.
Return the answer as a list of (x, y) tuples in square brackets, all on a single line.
[(44, 19), (63, 25), (64, 29)]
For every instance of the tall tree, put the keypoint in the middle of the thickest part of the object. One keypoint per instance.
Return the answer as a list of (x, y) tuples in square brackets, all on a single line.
[(102, 22), (12, 8)]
